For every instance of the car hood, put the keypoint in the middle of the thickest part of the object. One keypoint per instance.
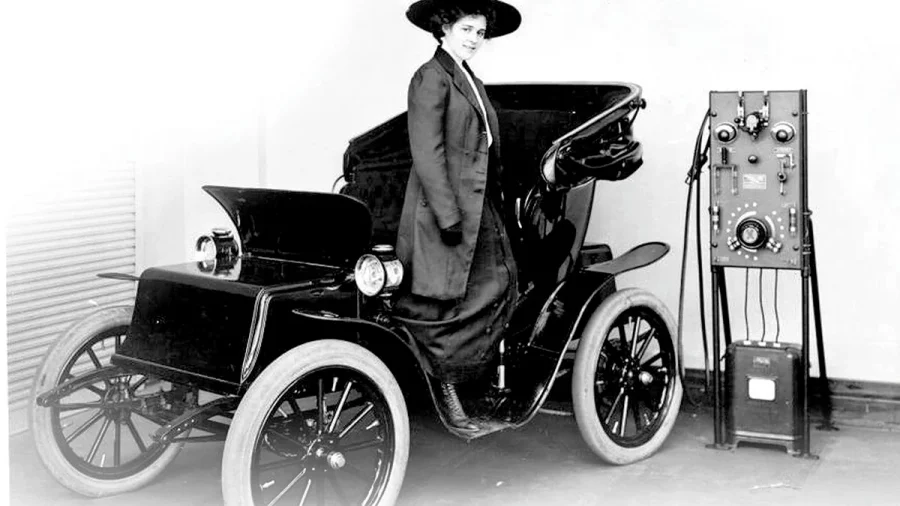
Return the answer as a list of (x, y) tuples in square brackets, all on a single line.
[(321, 228), (194, 321)]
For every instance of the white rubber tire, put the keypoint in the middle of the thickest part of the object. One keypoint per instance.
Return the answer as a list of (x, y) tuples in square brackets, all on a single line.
[(40, 418), (586, 360), (270, 386)]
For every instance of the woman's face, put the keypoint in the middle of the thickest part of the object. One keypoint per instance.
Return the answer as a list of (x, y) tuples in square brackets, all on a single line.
[(464, 38)]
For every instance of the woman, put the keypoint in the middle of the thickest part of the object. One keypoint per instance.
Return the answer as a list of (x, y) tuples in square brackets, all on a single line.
[(451, 238)]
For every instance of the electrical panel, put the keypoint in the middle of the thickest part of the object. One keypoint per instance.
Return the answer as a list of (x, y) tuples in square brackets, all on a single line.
[(757, 178)]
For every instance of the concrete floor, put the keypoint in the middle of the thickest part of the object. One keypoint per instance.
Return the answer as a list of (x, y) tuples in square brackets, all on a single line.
[(546, 462)]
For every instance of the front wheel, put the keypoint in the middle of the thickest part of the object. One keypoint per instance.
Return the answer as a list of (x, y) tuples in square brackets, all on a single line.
[(626, 391), (95, 439), (325, 423)]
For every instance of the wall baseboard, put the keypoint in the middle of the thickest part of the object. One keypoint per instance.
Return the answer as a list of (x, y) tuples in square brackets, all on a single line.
[(854, 403)]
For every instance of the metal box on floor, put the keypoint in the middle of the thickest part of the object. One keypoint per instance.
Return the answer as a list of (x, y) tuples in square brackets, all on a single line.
[(763, 394)]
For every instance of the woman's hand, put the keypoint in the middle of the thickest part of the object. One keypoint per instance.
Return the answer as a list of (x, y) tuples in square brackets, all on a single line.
[(452, 235)]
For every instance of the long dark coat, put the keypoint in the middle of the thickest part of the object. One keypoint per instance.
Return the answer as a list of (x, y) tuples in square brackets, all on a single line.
[(460, 297), (447, 184)]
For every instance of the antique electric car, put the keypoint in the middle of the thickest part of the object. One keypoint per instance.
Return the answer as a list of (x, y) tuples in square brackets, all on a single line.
[(282, 343)]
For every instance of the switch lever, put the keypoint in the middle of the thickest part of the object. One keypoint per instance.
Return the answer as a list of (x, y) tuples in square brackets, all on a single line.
[(787, 163)]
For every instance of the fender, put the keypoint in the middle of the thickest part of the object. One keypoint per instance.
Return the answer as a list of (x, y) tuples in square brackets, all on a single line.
[(583, 292), (563, 317), (381, 340), (635, 258)]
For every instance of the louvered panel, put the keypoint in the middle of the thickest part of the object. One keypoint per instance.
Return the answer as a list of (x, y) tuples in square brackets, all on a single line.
[(66, 262), (54, 203), (38, 235), (111, 265), (74, 255), (67, 233), (49, 330), (73, 210), (75, 191), (54, 282), (67, 298), (116, 206), (124, 239), (27, 321), (47, 335), (44, 211)]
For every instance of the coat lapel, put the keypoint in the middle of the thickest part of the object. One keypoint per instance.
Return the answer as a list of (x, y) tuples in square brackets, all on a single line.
[(459, 80), (491, 114)]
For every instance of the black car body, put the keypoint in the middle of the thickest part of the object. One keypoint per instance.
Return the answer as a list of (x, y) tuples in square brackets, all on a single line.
[(266, 329)]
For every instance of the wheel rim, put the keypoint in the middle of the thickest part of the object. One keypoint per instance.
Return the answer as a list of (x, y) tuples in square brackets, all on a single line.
[(635, 377), (328, 439), (94, 426)]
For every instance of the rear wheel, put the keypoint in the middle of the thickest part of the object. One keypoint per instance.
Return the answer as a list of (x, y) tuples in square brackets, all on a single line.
[(626, 390), (326, 423), (95, 440)]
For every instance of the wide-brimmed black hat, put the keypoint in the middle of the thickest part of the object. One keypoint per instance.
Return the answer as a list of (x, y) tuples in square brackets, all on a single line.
[(506, 17)]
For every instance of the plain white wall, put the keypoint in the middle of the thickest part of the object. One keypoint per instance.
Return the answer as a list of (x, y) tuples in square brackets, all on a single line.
[(200, 93), (356, 74)]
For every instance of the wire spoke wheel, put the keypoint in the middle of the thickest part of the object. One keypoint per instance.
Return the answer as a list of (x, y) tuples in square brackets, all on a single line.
[(626, 390), (95, 426), (330, 432), (637, 380), (326, 423), (95, 439)]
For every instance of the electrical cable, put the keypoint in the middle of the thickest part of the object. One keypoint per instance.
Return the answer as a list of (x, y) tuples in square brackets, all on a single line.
[(777, 322), (679, 337), (762, 310), (693, 175), (746, 292), (701, 287), (336, 181)]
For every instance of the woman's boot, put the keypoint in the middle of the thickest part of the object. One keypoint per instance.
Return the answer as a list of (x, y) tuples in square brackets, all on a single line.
[(453, 410)]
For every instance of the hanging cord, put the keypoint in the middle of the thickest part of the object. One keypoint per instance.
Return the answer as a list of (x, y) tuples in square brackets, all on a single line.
[(693, 175), (762, 310), (746, 292), (334, 186), (701, 288), (777, 322)]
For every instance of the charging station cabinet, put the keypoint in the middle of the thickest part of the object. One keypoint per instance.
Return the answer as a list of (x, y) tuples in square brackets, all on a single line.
[(762, 393), (760, 220)]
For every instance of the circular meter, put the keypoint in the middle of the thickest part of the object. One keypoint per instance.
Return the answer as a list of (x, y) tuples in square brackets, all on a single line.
[(783, 132), (752, 233), (725, 132)]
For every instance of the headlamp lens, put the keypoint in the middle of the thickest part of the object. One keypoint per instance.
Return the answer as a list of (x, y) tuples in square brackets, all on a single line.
[(370, 275), (206, 249)]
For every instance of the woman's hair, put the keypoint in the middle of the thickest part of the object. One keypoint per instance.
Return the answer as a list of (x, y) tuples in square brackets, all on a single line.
[(450, 14)]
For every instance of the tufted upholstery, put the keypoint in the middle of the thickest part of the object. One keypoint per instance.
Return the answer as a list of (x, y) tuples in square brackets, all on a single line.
[(382, 190)]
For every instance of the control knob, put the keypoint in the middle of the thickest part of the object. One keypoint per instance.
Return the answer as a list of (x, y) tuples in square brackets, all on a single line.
[(752, 233), (783, 132), (726, 132)]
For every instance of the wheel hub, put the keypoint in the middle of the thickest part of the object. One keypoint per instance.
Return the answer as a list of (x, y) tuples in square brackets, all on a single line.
[(335, 459), (117, 399), (632, 376), (323, 451), (117, 393)]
